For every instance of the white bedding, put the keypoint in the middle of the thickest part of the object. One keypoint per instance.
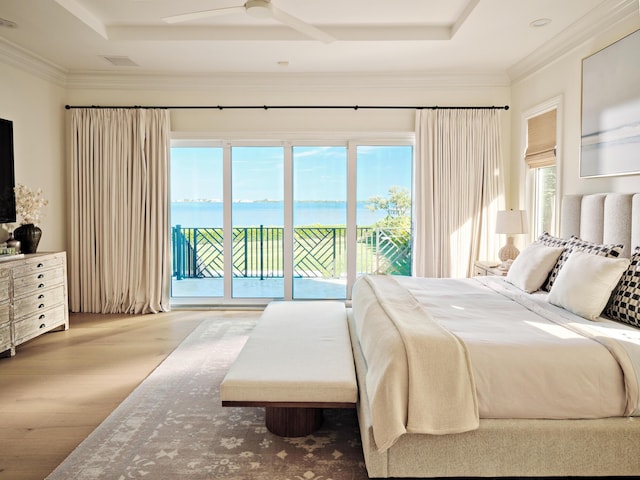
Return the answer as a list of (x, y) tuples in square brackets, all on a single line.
[(529, 359)]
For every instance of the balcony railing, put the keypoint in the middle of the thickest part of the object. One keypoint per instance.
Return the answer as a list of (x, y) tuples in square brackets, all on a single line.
[(319, 252)]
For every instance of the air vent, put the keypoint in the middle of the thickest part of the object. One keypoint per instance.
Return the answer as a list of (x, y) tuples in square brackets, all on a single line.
[(120, 61)]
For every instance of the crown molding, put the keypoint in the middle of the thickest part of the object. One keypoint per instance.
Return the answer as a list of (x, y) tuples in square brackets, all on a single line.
[(600, 19), (19, 57), (278, 81), (596, 21), (16, 56)]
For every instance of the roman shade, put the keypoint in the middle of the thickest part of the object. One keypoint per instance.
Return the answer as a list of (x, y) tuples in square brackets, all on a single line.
[(541, 140)]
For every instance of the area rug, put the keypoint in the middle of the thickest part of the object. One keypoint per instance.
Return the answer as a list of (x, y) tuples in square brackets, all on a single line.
[(173, 426)]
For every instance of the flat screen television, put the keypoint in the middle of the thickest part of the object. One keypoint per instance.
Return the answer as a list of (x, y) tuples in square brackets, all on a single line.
[(7, 175)]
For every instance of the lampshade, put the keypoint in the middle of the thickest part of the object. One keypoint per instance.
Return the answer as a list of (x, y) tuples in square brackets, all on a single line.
[(511, 221)]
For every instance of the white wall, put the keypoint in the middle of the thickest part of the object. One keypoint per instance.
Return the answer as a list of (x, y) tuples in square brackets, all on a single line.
[(296, 90), (36, 107), (563, 78)]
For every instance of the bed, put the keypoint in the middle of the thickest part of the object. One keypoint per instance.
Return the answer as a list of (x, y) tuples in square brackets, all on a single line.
[(553, 390)]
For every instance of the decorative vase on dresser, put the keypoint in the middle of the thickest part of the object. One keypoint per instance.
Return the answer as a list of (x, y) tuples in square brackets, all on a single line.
[(13, 243), (29, 236)]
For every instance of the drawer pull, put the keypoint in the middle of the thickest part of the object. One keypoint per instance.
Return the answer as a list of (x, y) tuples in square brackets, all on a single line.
[(41, 316), (41, 275), (40, 265), (41, 285), (41, 305), (41, 296), (42, 325)]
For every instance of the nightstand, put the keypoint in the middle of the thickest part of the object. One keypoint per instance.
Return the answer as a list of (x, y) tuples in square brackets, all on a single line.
[(484, 268)]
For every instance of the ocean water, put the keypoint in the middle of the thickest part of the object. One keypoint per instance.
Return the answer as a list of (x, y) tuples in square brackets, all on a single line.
[(254, 214)]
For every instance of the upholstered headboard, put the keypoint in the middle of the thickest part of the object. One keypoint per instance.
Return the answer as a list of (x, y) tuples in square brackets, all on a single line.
[(603, 218)]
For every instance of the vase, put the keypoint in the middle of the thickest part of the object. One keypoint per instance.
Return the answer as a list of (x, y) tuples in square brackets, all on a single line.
[(13, 243), (29, 237)]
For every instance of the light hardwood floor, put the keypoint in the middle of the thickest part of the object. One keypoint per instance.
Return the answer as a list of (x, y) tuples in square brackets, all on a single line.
[(61, 385)]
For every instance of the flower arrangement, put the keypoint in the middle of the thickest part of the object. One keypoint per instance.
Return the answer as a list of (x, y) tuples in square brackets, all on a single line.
[(9, 227), (29, 203)]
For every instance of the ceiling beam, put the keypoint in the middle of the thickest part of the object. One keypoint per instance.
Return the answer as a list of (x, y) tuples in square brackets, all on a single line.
[(78, 10), (277, 33), (464, 15)]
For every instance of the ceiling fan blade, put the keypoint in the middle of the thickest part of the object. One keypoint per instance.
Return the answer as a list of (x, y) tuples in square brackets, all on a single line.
[(300, 26), (185, 17)]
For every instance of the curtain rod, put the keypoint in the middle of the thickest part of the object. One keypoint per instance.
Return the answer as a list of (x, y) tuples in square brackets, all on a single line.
[(280, 107)]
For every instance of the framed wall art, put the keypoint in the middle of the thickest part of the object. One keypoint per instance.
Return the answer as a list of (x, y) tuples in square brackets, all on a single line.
[(610, 143)]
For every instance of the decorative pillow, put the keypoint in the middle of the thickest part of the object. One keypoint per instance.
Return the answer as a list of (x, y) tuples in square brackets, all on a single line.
[(575, 243), (585, 283), (624, 305), (531, 268), (550, 241)]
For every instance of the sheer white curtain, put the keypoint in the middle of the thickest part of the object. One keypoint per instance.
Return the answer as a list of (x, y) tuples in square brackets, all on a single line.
[(119, 234), (457, 190)]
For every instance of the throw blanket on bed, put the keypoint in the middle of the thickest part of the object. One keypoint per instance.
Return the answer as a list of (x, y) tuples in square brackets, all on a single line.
[(400, 390)]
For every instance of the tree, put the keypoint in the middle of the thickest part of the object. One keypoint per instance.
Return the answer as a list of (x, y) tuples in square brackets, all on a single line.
[(390, 238), (397, 205)]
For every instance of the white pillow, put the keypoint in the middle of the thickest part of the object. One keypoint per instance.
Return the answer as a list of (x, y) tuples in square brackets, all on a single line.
[(531, 268), (585, 283)]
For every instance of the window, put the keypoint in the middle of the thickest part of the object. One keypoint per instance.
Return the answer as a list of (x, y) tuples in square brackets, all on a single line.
[(253, 222), (545, 200), (540, 158)]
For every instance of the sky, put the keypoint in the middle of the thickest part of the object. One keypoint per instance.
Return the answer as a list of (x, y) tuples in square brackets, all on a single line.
[(257, 172)]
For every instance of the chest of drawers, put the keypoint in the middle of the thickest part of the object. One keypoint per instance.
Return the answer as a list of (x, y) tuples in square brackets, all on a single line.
[(33, 298), (5, 312)]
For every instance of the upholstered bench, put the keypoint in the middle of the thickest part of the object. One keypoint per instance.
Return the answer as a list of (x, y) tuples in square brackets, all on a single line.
[(297, 361)]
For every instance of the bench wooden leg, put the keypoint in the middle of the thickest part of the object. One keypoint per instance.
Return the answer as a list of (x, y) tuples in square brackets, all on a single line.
[(293, 422)]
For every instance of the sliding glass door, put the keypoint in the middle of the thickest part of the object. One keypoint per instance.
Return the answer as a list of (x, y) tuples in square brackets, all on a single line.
[(253, 221), (197, 229), (257, 213), (319, 222), (384, 209)]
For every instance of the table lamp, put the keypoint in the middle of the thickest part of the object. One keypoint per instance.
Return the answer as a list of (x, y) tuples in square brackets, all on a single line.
[(510, 222)]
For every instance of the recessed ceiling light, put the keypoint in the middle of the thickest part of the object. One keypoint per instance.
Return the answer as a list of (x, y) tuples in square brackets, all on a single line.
[(540, 22), (7, 23)]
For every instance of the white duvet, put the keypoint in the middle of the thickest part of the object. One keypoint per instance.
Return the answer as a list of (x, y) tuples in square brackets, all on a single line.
[(528, 358)]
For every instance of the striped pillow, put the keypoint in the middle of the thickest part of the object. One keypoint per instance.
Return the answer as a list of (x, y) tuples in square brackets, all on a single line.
[(575, 243), (624, 305)]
